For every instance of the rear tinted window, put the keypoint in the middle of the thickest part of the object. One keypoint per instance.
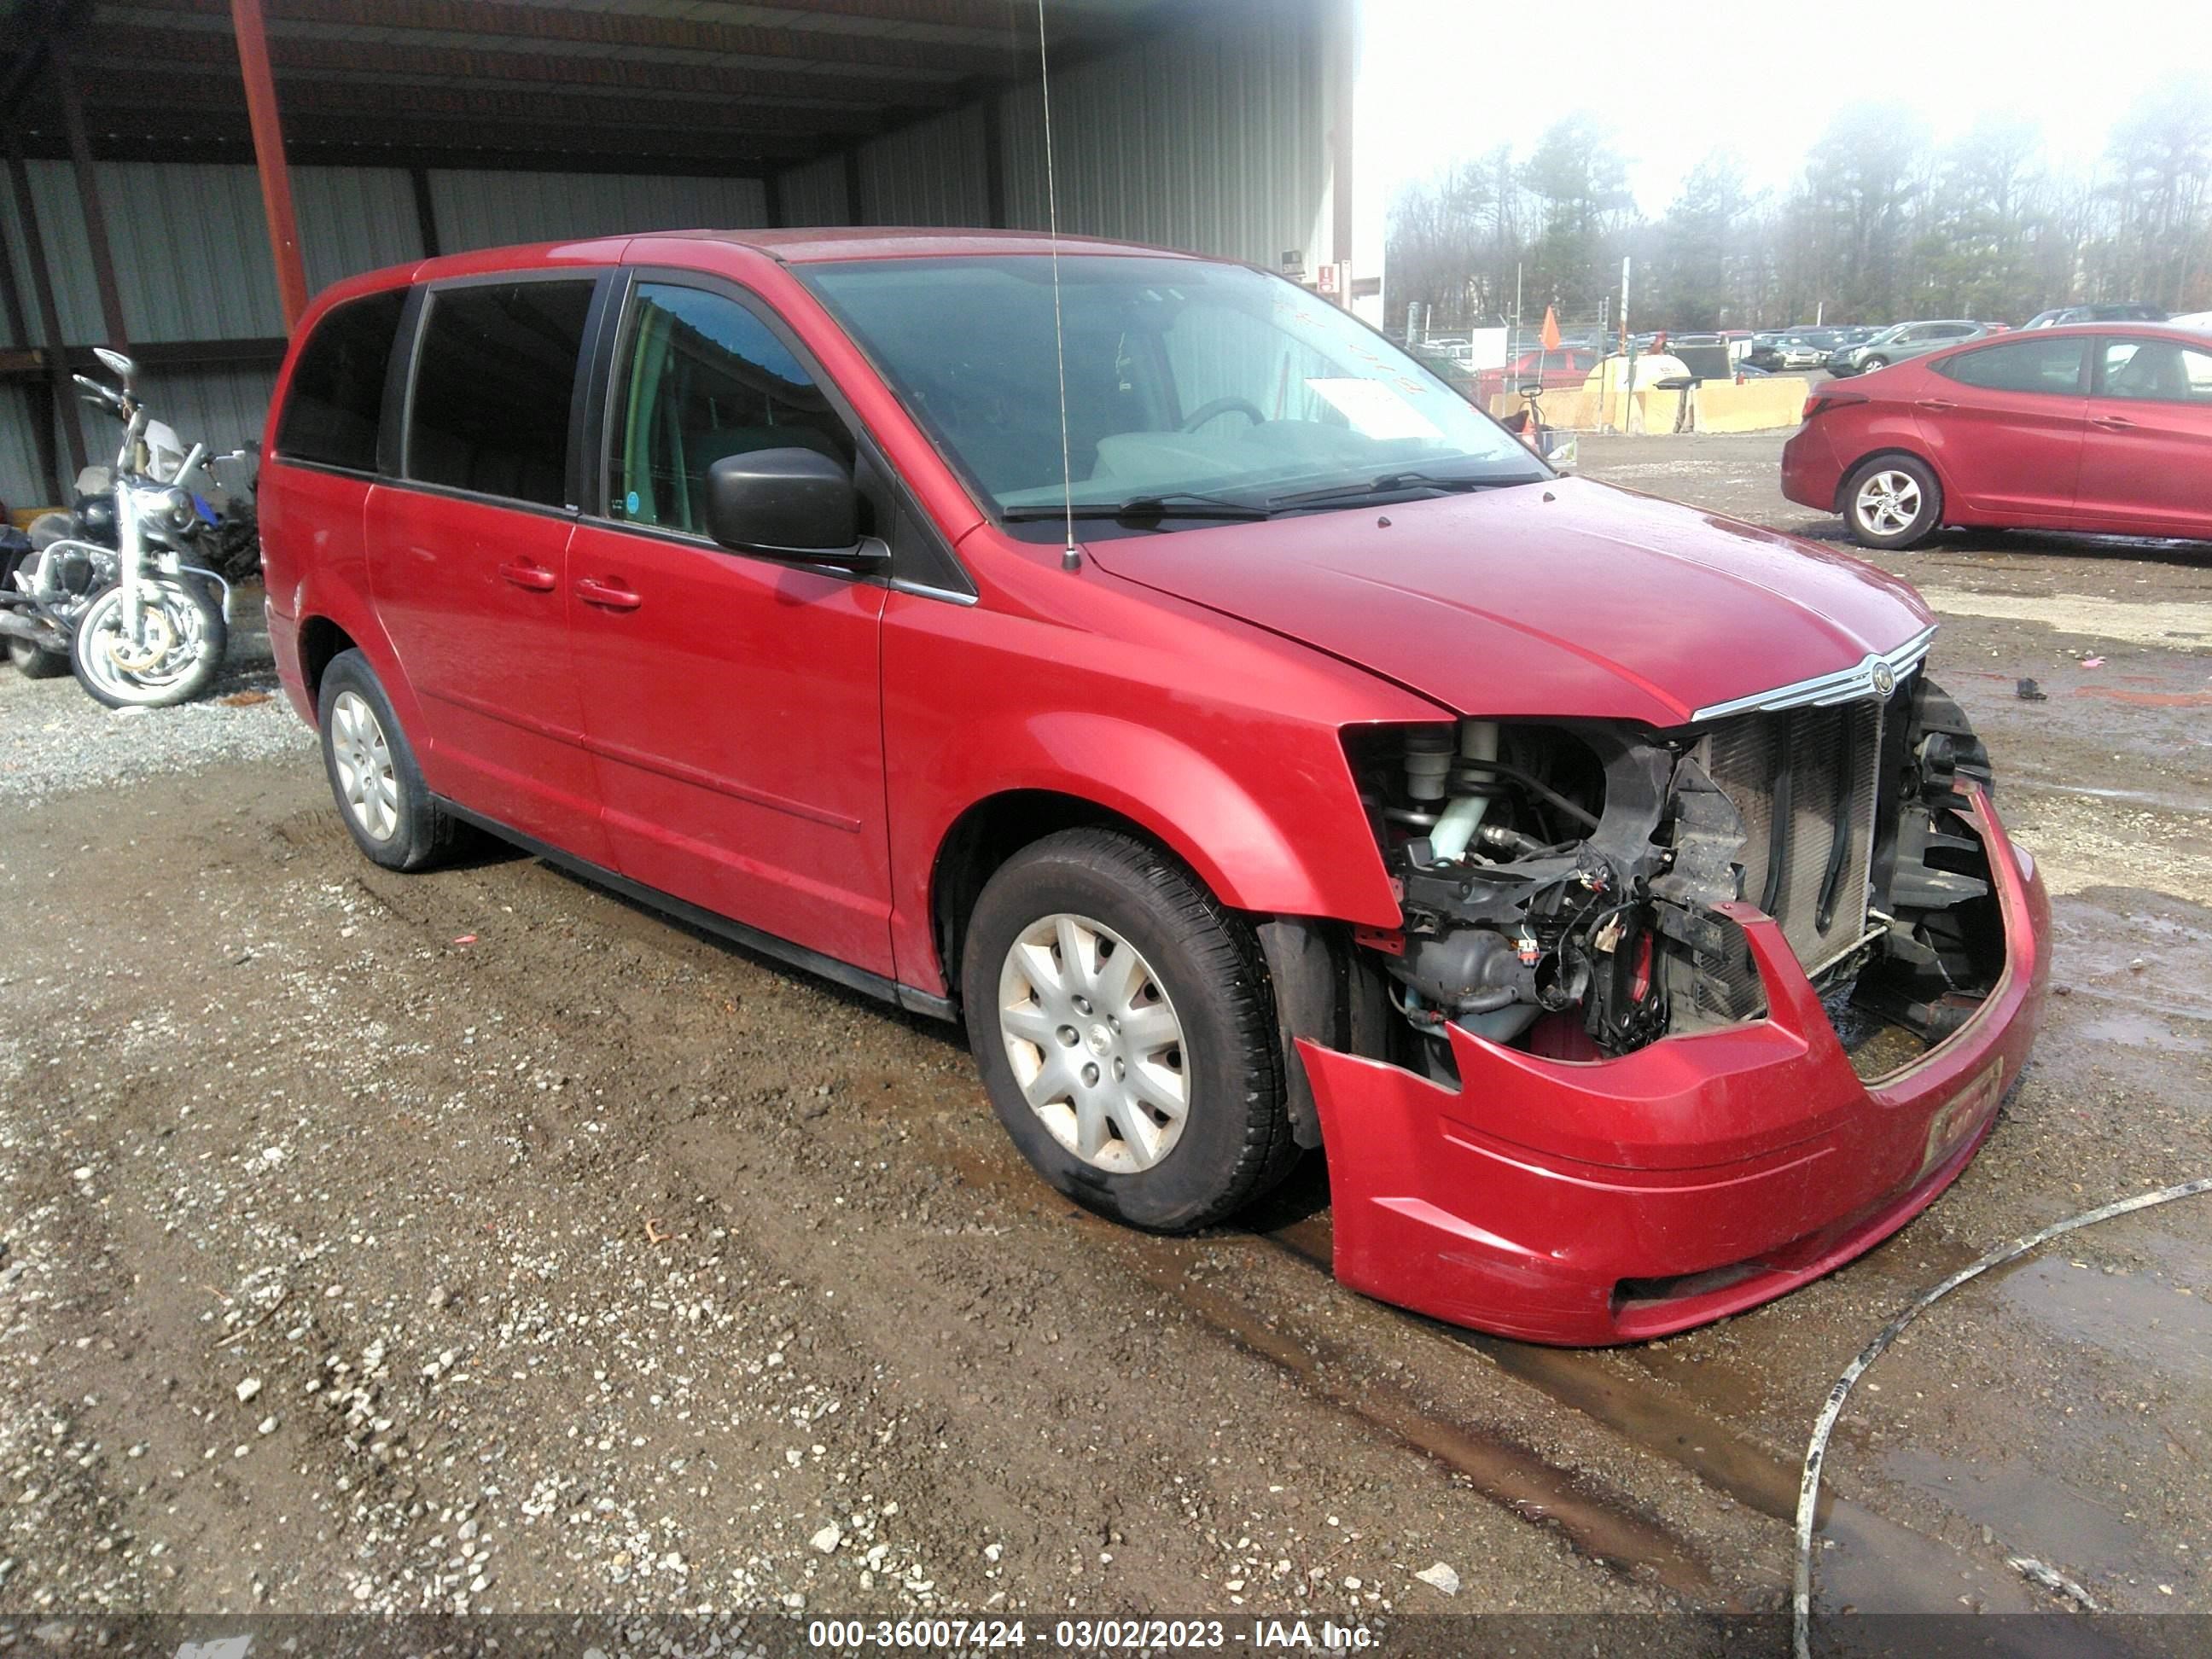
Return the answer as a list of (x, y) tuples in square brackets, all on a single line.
[(337, 385), (493, 383), (2053, 366)]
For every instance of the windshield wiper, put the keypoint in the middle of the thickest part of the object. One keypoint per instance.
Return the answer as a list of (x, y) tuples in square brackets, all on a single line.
[(1391, 483), (1139, 508)]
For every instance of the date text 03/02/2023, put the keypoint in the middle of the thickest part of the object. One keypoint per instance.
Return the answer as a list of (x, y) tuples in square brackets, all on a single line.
[(1089, 1635)]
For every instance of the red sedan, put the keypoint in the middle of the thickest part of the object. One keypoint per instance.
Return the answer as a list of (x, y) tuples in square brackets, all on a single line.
[(2105, 428)]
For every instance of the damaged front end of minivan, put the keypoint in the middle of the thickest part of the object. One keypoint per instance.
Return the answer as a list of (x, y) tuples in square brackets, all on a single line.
[(1675, 1019)]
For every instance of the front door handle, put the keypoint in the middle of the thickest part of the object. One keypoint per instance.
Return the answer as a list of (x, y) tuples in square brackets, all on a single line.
[(523, 573), (607, 595), (1939, 405), (2113, 423)]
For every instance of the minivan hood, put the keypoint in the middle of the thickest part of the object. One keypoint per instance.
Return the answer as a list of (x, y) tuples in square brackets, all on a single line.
[(1563, 599)]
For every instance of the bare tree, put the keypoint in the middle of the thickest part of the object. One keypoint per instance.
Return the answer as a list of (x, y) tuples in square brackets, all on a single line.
[(1879, 225)]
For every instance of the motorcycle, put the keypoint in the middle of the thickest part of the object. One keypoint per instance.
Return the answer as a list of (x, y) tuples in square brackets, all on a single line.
[(108, 589), (1526, 423)]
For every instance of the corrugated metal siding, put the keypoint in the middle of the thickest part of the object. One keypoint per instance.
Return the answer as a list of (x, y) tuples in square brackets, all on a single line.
[(490, 209), (1212, 139), (192, 252), (68, 260), (192, 248), (220, 408), (930, 174), (815, 194), (352, 219), (20, 484)]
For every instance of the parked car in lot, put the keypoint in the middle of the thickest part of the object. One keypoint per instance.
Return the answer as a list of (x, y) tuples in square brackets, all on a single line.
[(1569, 366), (1798, 349), (2099, 428), (1903, 340), (1268, 752), (2100, 313), (1451, 370)]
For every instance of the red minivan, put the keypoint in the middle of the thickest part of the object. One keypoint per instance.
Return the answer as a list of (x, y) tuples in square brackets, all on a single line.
[(1136, 658)]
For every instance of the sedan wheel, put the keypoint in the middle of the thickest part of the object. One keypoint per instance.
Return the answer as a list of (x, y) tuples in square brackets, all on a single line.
[(1892, 502)]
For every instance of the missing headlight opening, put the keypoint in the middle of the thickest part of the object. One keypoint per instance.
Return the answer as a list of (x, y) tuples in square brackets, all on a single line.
[(1558, 882)]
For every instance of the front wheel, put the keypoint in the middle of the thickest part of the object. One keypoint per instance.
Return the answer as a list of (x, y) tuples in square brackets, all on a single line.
[(1892, 502), (175, 656), (1872, 364), (1125, 1031)]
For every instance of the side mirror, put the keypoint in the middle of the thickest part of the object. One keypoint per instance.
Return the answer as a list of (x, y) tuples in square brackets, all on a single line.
[(123, 368), (92, 391), (796, 504)]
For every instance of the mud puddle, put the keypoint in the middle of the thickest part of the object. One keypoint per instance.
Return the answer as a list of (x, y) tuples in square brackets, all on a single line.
[(2159, 1318), (2081, 1535), (1867, 1562)]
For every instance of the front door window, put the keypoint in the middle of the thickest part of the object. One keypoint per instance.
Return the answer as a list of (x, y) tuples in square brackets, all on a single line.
[(704, 377)]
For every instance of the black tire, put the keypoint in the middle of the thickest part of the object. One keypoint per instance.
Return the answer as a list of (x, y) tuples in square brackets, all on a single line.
[(1872, 364), (421, 831), (34, 662), (105, 684), (1235, 1142), (1870, 524)]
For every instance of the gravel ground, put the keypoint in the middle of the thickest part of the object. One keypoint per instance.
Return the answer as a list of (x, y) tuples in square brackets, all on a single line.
[(479, 1240), (59, 741)]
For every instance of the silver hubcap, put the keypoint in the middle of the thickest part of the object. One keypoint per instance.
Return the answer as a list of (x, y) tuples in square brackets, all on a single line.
[(1889, 502), (362, 756), (1094, 1044)]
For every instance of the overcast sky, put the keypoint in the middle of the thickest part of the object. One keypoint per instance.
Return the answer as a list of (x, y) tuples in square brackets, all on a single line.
[(1453, 78)]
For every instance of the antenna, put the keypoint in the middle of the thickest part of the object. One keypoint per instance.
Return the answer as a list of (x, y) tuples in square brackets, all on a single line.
[(1070, 558)]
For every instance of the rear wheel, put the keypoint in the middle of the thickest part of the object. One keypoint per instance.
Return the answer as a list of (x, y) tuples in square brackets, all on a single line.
[(33, 662), (1892, 502), (387, 807), (1125, 1031)]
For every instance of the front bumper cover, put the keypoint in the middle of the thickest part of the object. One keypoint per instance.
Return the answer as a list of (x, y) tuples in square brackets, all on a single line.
[(1621, 1200)]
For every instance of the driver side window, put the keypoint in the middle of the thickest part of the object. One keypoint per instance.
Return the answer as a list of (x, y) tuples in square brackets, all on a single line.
[(2156, 371), (700, 377)]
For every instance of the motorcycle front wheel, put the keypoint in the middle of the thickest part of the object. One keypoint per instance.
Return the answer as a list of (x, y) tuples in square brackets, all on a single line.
[(175, 659)]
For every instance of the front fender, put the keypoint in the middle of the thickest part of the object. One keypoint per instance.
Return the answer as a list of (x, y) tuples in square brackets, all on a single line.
[(1244, 852)]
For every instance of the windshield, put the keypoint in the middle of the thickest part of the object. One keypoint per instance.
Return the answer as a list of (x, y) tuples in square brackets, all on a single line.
[(1184, 380)]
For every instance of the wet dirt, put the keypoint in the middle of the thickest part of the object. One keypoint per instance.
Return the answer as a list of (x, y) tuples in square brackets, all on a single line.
[(580, 1262)]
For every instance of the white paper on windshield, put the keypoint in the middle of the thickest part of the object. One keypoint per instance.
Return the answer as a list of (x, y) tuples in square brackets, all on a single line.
[(1374, 410)]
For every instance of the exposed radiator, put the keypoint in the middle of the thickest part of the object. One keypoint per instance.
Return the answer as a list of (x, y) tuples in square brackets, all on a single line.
[(1825, 763)]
